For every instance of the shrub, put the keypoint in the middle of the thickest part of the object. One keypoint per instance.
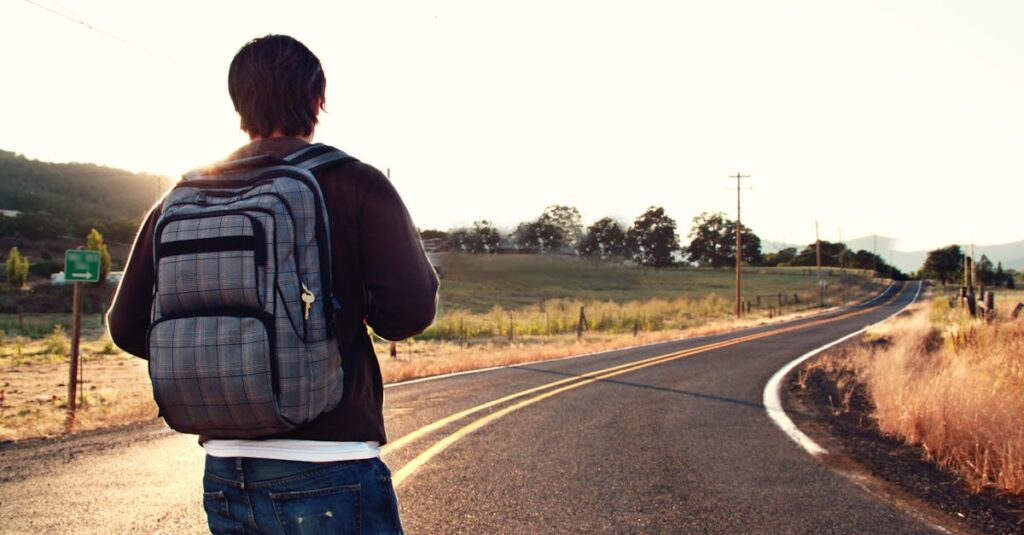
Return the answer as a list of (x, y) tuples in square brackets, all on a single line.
[(17, 268), (57, 343)]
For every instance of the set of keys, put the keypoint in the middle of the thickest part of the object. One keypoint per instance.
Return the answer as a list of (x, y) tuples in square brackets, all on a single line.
[(307, 298)]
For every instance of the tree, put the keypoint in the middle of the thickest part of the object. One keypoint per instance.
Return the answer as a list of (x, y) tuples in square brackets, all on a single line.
[(751, 253), (710, 244), (999, 278), (481, 238), (568, 222), (604, 239), (36, 225), (652, 239), (830, 254), (986, 272), (558, 227), (94, 242), (485, 237), (458, 239), (781, 258), (944, 264), (713, 242), (432, 234), (537, 235), (17, 268)]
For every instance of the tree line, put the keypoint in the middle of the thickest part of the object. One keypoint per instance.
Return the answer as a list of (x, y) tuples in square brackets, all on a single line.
[(651, 240), (946, 265)]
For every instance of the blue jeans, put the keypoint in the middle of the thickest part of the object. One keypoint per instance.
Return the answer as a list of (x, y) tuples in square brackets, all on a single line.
[(248, 495)]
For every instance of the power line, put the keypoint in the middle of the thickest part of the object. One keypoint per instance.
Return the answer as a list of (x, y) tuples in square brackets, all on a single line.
[(100, 31)]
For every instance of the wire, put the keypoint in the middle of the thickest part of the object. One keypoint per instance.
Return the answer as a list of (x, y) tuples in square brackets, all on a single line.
[(100, 31)]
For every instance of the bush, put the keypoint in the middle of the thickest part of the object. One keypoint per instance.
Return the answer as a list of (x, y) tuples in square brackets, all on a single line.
[(108, 347), (17, 268), (94, 242), (57, 343)]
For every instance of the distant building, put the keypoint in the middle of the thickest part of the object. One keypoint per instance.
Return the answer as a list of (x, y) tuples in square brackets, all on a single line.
[(114, 277), (10, 213), (433, 245)]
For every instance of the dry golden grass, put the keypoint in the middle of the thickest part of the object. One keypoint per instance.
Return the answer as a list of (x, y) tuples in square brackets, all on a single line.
[(951, 384), (424, 358), (33, 389)]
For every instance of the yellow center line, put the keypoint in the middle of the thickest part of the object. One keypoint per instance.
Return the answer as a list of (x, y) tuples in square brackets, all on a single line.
[(585, 379)]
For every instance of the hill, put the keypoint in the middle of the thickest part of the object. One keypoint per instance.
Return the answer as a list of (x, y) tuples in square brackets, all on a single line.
[(69, 197), (1010, 254)]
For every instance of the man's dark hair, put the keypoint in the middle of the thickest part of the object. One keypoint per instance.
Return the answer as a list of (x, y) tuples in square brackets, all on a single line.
[(277, 84)]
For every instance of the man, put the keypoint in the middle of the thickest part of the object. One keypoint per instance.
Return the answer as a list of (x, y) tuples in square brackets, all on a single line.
[(325, 476)]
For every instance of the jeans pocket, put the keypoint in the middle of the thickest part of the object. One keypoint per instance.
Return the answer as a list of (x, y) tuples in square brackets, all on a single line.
[(327, 510), (217, 516)]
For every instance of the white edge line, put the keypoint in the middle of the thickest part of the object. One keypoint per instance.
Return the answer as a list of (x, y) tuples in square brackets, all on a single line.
[(772, 390), (592, 354)]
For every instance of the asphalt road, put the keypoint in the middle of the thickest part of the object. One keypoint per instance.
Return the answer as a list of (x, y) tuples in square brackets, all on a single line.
[(668, 438)]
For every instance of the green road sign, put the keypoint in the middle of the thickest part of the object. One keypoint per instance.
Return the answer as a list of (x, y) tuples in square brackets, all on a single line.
[(81, 265)]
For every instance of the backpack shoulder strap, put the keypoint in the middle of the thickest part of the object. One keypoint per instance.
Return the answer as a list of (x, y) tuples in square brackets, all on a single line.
[(316, 157)]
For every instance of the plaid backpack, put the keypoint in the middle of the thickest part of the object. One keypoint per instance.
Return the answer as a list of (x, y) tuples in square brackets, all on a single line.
[(241, 343)]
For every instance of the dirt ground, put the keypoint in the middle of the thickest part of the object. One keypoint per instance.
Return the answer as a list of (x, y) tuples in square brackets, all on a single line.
[(33, 395)]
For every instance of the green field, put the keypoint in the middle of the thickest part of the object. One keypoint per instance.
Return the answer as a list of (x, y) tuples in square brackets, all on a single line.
[(477, 283), (482, 295), (486, 296)]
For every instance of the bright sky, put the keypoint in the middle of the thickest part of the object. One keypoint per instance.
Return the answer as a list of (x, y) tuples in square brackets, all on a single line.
[(901, 118)]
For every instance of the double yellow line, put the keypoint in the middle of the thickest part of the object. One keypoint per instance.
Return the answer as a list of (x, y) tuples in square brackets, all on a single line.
[(564, 385)]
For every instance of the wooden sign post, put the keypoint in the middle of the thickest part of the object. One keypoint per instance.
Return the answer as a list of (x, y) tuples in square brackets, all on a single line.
[(79, 266)]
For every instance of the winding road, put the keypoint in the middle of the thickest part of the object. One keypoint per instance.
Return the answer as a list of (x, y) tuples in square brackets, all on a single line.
[(665, 438)]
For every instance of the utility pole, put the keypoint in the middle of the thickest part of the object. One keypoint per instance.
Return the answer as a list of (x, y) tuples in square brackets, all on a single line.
[(842, 255), (739, 246), (817, 247), (974, 270), (967, 270)]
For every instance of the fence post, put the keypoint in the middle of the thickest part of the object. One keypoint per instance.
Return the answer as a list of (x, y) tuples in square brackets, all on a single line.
[(581, 324), (511, 328)]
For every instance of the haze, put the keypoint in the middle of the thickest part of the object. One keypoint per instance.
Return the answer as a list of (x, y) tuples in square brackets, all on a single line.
[(902, 119)]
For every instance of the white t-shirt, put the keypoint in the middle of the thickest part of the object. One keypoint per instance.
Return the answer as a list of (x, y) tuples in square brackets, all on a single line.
[(311, 451)]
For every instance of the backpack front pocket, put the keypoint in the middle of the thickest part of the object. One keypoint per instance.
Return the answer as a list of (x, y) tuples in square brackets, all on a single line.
[(209, 263), (216, 373)]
